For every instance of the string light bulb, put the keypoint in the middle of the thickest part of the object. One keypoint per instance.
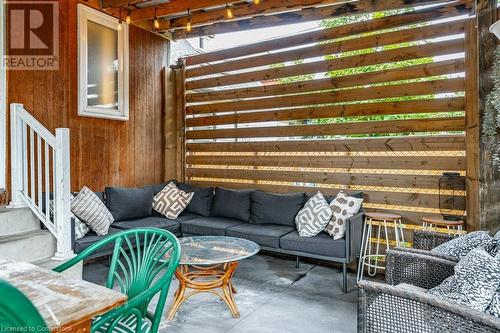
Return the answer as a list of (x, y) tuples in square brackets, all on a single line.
[(256, 2), (156, 22), (188, 24), (229, 12), (128, 19), (119, 26)]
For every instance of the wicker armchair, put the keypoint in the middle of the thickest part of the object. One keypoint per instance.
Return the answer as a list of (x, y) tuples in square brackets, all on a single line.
[(391, 308)]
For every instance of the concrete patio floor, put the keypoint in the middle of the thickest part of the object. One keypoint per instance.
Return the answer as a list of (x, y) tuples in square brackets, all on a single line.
[(273, 297)]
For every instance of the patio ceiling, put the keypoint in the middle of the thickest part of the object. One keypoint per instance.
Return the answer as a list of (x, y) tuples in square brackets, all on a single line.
[(191, 18)]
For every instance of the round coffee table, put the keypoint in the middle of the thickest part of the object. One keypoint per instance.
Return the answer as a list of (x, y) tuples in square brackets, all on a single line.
[(207, 264)]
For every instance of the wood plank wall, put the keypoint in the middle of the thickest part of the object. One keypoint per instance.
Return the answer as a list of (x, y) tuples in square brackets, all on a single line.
[(103, 152), (266, 133)]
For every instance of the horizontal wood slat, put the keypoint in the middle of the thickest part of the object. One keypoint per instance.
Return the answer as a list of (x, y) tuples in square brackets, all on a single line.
[(451, 9), (387, 144), (356, 162), (361, 179), (444, 67), (394, 55), (374, 197), (359, 94), (383, 39), (392, 126), (349, 110)]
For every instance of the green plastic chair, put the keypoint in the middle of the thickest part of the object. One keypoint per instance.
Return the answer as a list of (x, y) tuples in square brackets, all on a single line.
[(17, 313), (138, 258)]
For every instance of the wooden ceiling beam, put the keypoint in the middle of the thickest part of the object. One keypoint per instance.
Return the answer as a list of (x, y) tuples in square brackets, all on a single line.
[(119, 3), (249, 10), (174, 7), (308, 14)]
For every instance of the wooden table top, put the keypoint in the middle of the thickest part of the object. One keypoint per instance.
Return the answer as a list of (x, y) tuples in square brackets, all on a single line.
[(382, 216), (61, 301), (439, 221)]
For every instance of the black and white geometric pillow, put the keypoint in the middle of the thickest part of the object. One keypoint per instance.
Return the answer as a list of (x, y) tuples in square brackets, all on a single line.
[(461, 246), (494, 307), (475, 282), (90, 209), (343, 207), (81, 229), (314, 217), (171, 201)]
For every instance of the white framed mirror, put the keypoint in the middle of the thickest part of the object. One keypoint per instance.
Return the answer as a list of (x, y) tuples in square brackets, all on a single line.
[(103, 78)]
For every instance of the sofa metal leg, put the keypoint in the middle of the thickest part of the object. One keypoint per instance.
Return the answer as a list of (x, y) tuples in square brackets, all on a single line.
[(344, 277), (297, 262)]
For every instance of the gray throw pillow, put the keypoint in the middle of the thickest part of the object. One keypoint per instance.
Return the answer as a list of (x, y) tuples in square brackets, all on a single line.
[(90, 209), (201, 204), (233, 204), (275, 208), (461, 246), (475, 282), (127, 203), (314, 217), (81, 229), (171, 201)]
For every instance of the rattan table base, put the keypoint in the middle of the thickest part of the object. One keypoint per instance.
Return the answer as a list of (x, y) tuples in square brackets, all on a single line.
[(215, 279)]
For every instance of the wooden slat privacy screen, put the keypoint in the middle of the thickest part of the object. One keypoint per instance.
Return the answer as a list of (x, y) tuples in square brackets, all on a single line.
[(377, 105)]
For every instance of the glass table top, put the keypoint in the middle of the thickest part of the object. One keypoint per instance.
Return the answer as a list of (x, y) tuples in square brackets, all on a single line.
[(211, 250)]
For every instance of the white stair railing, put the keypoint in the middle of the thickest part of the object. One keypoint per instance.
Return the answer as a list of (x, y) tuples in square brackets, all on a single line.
[(40, 166)]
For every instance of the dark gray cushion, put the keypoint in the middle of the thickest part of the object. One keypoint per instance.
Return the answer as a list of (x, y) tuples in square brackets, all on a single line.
[(321, 244), (262, 234), (91, 237), (208, 226), (129, 203), (158, 187), (153, 222), (231, 203), (271, 208), (201, 204)]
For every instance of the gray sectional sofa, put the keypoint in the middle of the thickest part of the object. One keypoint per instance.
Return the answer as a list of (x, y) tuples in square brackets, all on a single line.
[(265, 218)]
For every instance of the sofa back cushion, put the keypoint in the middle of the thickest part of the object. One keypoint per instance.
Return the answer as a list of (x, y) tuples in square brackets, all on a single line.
[(231, 203), (201, 204), (129, 203), (276, 208)]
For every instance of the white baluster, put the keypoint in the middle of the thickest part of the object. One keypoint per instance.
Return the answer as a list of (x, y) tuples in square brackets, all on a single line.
[(47, 183), (32, 166), (39, 169), (16, 149), (62, 195)]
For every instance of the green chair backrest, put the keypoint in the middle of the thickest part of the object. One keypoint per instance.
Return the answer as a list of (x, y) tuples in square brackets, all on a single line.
[(17, 313), (142, 264)]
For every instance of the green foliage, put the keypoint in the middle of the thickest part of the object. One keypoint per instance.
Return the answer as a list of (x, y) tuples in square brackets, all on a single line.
[(491, 122), (339, 21)]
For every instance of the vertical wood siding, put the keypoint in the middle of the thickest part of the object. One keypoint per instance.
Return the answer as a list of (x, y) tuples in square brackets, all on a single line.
[(103, 152)]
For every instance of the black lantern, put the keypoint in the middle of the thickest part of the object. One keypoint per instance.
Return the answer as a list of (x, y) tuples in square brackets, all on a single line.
[(451, 203)]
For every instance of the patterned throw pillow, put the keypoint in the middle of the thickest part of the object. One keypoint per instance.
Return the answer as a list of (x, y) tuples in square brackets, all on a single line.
[(314, 217), (89, 208), (343, 207), (461, 246), (171, 201), (81, 229), (476, 279)]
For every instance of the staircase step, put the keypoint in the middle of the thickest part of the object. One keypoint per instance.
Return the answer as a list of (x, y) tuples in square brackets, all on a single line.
[(17, 220), (28, 246), (48, 263)]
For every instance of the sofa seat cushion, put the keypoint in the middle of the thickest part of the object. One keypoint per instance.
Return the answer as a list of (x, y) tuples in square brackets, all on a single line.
[(153, 222), (321, 244), (208, 226), (273, 208), (262, 234), (91, 237)]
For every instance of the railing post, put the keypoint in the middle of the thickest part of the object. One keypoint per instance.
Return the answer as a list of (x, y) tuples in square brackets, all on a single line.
[(62, 195), (16, 151)]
